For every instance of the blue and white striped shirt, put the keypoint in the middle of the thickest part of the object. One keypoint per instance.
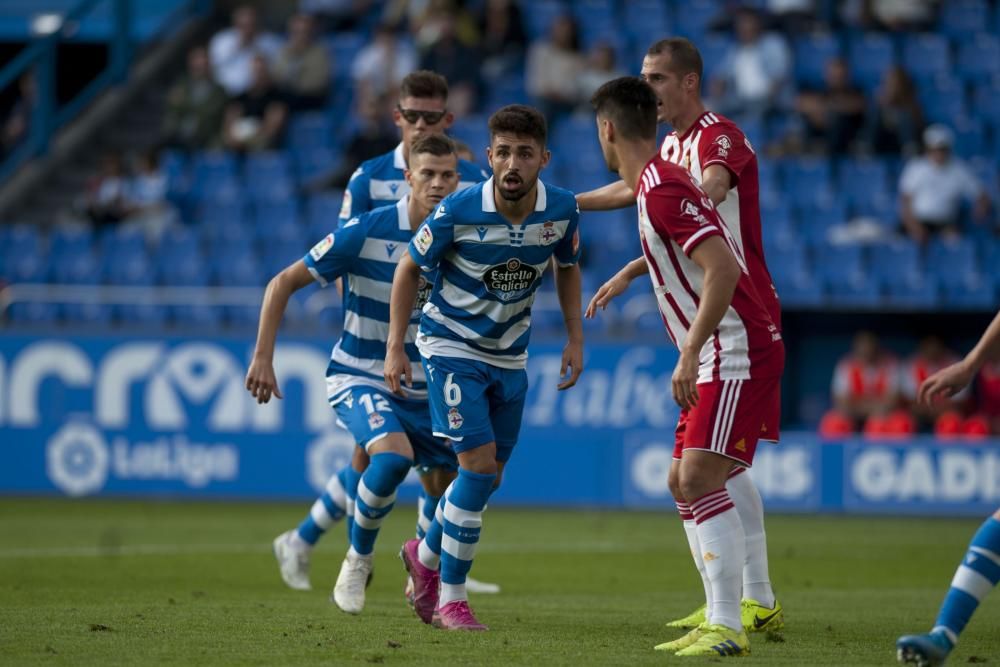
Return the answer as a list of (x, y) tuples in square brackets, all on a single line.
[(380, 182), (365, 251), (489, 270)]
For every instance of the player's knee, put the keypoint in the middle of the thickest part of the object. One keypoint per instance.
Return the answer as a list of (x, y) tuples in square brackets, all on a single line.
[(693, 483), (496, 483), (481, 460), (436, 481), (395, 443), (674, 482)]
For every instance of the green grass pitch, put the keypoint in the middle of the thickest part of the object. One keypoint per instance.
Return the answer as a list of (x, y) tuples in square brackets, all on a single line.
[(116, 582)]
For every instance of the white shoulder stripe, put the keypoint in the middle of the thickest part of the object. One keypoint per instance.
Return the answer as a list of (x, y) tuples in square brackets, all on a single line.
[(707, 229)]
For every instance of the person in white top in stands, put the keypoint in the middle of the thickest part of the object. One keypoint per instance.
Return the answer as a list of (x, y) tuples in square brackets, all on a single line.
[(232, 51), (934, 186)]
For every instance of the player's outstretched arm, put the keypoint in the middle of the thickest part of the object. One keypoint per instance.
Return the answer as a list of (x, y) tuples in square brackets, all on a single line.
[(722, 273), (405, 283), (951, 380), (606, 198), (716, 183), (261, 382), (616, 285), (570, 301)]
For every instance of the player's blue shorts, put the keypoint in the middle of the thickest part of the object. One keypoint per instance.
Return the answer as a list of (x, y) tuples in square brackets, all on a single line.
[(370, 414), (474, 403)]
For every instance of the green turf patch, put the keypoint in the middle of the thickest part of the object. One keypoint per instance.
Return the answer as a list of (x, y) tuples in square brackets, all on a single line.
[(101, 582)]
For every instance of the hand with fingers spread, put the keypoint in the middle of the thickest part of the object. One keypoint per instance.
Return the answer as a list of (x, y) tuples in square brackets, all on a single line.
[(608, 291), (685, 380), (572, 361), (946, 382), (261, 381), (397, 365)]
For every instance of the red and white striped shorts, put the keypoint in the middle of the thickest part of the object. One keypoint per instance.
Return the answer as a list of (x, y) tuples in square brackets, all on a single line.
[(730, 417)]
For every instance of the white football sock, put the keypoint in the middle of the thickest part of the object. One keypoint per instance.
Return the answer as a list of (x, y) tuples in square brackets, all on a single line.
[(450, 593), (723, 548), (691, 531), (756, 578)]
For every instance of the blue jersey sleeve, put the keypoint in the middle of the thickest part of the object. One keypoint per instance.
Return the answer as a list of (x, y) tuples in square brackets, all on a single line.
[(568, 249), (332, 257), (433, 238), (357, 197)]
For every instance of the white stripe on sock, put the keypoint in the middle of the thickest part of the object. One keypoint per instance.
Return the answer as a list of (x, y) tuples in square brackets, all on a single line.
[(366, 522), (337, 492), (460, 517), (373, 501), (987, 554), (456, 549), (968, 580), (320, 515)]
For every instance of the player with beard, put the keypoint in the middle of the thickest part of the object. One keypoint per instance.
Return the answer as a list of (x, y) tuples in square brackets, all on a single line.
[(723, 162), (490, 243)]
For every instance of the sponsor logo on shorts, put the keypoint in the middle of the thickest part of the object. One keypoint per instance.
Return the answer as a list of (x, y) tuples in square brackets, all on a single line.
[(455, 419), (510, 281)]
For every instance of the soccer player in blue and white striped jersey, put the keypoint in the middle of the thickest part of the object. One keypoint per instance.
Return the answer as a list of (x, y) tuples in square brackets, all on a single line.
[(422, 109), (490, 245), (395, 430)]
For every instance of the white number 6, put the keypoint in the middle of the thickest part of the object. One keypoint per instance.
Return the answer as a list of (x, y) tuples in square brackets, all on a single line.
[(452, 392)]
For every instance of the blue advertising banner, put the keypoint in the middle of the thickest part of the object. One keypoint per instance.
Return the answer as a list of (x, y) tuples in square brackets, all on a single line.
[(120, 416)]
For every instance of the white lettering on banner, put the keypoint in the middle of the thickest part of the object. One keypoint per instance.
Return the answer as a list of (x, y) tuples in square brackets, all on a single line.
[(958, 476), (297, 363), (34, 365), (632, 395), (650, 468), (78, 460), (119, 370), (198, 371), (783, 472)]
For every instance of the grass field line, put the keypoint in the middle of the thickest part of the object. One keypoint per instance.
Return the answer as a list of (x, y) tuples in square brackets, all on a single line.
[(199, 549)]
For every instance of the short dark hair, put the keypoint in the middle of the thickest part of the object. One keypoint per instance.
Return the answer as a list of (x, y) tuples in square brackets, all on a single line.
[(521, 120), (424, 84), (432, 144), (684, 56), (630, 104)]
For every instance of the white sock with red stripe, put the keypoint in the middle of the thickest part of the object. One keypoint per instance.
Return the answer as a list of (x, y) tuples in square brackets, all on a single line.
[(723, 548), (691, 530), (756, 578)]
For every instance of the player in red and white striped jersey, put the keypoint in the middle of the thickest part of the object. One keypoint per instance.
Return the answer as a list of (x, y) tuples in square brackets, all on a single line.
[(727, 378), (723, 162)]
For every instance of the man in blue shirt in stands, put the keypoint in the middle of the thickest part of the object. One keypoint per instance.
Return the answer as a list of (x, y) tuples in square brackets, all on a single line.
[(491, 244)]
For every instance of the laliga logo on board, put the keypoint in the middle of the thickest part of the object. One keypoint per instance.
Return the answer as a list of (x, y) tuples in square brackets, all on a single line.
[(77, 460)]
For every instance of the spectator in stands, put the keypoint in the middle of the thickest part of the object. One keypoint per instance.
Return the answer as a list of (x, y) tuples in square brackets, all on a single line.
[(753, 78), (379, 68), (256, 119), (894, 15), (195, 106), (107, 200), (302, 67), (554, 66), (376, 134), (503, 40), (427, 20), (794, 17), (933, 188), (834, 115), (895, 123), (146, 197), (601, 67), (930, 357), (232, 51), (18, 121), (865, 391), (456, 62)]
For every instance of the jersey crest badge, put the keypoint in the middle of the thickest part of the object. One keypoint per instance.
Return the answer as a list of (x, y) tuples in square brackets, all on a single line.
[(423, 239), (375, 420), (547, 234), (455, 419), (321, 248), (724, 145)]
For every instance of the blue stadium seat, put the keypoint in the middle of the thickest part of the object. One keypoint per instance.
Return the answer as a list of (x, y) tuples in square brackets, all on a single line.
[(948, 256), (799, 290), (539, 15), (979, 57), (25, 268), (597, 23), (960, 19), (310, 130), (970, 136), (817, 217), (917, 292), (987, 101), (870, 56), (323, 212), (968, 291), (861, 181), (313, 164), (942, 99), (243, 271), (187, 270), (473, 131), (130, 269), (178, 242), (812, 53), (211, 213), (714, 49), (505, 90), (68, 241), (895, 263), (277, 220), (343, 47), (269, 172), (21, 240), (786, 263), (926, 55), (124, 241), (695, 17), (33, 313), (646, 21)]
